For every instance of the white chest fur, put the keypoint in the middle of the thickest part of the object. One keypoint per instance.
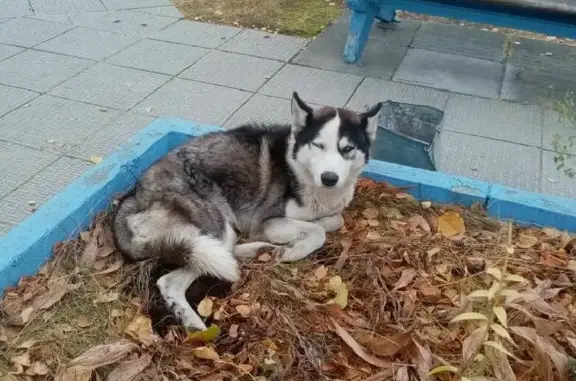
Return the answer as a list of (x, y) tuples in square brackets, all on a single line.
[(319, 202)]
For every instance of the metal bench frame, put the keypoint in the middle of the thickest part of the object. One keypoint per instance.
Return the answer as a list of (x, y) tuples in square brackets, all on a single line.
[(554, 22)]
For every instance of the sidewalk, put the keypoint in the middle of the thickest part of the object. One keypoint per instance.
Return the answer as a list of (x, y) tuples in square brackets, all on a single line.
[(80, 77)]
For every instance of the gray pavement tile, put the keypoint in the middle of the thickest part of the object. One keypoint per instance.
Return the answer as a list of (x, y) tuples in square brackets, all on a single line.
[(372, 91), (233, 70), (40, 188), (379, 60), (265, 45), (494, 119), (263, 109), (15, 8), (5, 227), (111, 86), (454, 39), (88, 43), (313, 85), (451, 72), (495, 161), (54, 124), (28, 32), (18, 163), (555, 124), (129, 4), (61, 18), (9, 50), (200, 102), (536, 86), (555, 182), (169, 11), (125, 22), (50, 7), (12, 98), (538, 54), (4, 19), (196, 33), (40, 71), (110, 137), (158, 56)]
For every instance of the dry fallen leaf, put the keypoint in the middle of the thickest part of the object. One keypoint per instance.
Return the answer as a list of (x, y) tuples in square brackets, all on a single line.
[(417, 221), (104, 354), (402, 374), (83, 322), (128, 370), (357, 348), (243, 310), (341, 297), (321, 272), (526, 241), (388, 346), (334, 283), (405, 279), (75, 373), (472, 342), (95, 159), (423, 361), (140, 328), (451, 224), (206, 353), (266, 257), (107, 298), (22, 360), (37, 369), (205, 307)]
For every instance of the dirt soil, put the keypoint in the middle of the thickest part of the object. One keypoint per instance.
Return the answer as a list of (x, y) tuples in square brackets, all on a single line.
[(406, 290)]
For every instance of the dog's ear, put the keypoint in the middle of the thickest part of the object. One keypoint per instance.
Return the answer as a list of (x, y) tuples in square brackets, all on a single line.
[(370, 118), (300, 113)]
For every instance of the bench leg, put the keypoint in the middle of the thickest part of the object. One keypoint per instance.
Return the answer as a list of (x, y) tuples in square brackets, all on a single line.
[(360, 25)]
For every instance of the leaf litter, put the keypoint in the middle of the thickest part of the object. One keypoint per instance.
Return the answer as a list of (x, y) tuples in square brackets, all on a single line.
[(385, 299)]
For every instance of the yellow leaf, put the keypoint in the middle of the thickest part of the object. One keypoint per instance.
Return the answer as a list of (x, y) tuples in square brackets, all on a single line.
[(426, 204), (95, 159), (571, 265), (502, 332), (208, 335), (469, 316), (334, 283), (498, 347), (479, 294), (206, 353), (500, 313), (443, 369), (514, 278), (321, 272), (496, 273), (451, 224), (341, 297), (205, 307), (493, 290)]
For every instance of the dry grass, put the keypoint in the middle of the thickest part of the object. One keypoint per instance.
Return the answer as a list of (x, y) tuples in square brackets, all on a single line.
[(304, 18)]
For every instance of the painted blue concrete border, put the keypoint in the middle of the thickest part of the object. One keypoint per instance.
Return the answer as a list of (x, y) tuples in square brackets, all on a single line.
[(26, 247)]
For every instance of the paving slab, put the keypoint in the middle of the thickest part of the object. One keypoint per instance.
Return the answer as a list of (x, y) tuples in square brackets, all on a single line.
[(20, 163), (40, 71), (53, 18), (54, 124), (130, 4), (50, 7), (233, 70), (469, 42), (265, 45), (15, 8), (168, 11), (5, 227), (88, 43), (201, 102), (490, 160), (555, 124), (372, 91), (379, 60), (313, 85), (9, 51), (111, 86), (554, 181), (28, 32), (110, 137), (125, 22), (158, 56), (196, 33), (538, 54), (13, 97), (263, 109), (536, 86), (451, 72), (49, 181), (494, 119)]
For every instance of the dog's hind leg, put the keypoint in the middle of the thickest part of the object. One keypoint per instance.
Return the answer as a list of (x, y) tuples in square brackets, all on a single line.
[(331, 223), (300, 237)]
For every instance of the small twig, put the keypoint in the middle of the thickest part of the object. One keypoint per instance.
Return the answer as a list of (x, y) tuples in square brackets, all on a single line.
[(343, 255)]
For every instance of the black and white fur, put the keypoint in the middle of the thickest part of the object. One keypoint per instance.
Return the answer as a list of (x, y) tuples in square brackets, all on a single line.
[(284, 186)]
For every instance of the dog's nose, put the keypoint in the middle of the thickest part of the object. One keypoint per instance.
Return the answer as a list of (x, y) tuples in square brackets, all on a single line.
[(329, 179)]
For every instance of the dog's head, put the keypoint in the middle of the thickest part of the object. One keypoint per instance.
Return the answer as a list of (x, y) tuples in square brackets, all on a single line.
[(331, 146)]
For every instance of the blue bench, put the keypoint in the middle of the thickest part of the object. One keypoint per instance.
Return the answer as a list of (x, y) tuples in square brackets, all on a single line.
[(551, 17)]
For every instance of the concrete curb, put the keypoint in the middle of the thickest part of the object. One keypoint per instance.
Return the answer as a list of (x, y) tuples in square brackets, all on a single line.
[(27, 246)]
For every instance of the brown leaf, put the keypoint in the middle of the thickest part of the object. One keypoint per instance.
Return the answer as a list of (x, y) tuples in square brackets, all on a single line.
[(140, 328), (500, 364), (83, 322), (205, 307), (266, 257), (56, 290), (338, 313), (526, 241), (559, 359), (243, 310), (37, 369), (423, 361), (417, 221), (402, 374), (104, 354), (405, 279), (471, 344), (321, 272), (90, 253), (451, 224), (388, 346), (107, 298), (206, 353), (75, 373), (370, 213), (128, 370), (546, 327), (22, 360), (357, 348)]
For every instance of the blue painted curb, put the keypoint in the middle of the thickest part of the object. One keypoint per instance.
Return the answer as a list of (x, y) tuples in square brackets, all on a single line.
[(27, 246)]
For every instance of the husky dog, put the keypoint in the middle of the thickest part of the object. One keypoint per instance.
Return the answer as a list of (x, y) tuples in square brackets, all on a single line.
[(283, 186)]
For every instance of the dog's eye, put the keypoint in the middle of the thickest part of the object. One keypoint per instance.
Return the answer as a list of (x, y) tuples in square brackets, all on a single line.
[(347, 149), (319, 145)]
